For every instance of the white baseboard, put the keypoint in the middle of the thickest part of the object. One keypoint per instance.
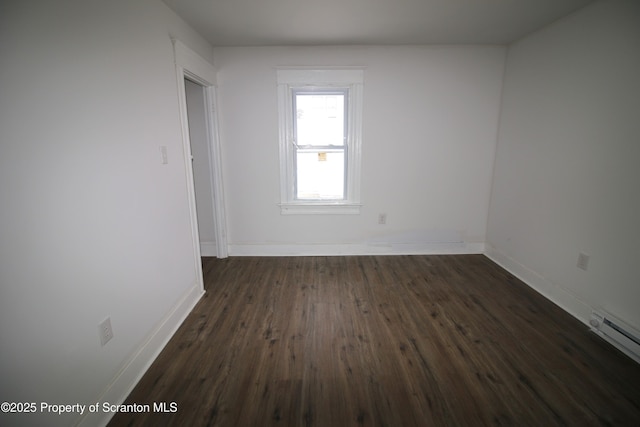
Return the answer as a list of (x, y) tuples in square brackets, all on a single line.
[(208, 249), (554, 293), (356, 249), (125, 380)]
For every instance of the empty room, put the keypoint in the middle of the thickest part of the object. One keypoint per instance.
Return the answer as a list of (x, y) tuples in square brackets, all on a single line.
[(296, 213)]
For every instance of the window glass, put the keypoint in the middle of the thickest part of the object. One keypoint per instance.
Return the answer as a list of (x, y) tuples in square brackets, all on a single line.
[(319, 118), (320, 174)]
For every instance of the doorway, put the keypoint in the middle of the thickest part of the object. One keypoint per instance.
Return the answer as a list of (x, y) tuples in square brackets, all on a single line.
[(198, 76), (201, 158)]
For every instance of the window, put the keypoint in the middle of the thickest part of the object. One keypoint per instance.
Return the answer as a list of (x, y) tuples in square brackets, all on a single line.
[(320, 140)]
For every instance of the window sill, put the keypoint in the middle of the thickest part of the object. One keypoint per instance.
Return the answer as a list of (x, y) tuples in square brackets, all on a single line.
[(320, 208)]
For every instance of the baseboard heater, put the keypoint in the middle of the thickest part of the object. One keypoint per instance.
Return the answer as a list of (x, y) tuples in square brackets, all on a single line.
[(616, 332)]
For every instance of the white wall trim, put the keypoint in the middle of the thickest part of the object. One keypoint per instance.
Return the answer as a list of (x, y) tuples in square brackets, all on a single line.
[(208, 249), (136, 366), (356, 249), (192, 66), (215, 161), (350, 79), (196, 64), (320, 208), (554, 293), (323, 76)]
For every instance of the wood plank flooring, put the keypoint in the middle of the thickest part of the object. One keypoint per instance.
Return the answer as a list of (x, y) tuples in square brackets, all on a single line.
[(382, 341)]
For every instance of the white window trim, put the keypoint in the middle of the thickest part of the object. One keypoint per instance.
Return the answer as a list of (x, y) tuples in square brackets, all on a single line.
[(290, 78)]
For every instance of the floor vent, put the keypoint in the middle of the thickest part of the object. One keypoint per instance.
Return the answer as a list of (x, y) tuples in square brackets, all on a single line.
[(618, 333)]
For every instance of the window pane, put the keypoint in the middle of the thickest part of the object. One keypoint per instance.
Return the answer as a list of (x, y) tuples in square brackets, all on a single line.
[(320, 119), (320, 175)]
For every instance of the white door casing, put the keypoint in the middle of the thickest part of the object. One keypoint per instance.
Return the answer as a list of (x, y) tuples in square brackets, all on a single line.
[(191, 66)]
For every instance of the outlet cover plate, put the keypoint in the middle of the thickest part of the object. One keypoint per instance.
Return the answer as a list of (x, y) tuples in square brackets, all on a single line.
[(105, 331)]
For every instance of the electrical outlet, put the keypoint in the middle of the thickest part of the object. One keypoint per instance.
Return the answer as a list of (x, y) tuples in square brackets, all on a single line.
[(105, 331), (583, 261), (382, 218)]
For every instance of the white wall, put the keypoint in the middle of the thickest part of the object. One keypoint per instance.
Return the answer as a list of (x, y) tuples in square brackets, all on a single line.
[(567, 175), (91, 223), (201, 167), (429, 134)]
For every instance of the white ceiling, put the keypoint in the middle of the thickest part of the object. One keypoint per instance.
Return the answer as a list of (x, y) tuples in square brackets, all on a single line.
[(368, 22)]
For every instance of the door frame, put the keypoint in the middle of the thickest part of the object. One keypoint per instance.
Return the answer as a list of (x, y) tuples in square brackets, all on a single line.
[(191, 66)]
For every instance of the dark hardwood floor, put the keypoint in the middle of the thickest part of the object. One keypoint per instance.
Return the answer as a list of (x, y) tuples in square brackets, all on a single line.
[(382, 341)]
